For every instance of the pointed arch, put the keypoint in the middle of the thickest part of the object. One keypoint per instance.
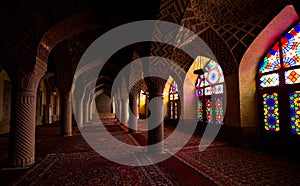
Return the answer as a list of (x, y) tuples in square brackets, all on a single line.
[(251, 59)]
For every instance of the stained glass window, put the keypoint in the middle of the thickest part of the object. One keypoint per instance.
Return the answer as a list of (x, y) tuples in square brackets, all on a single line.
[(295, 111), (290, 47), (219, 110), (271, 114), (209, 110), (209, 89), (269, 80), (292, 76), (173, 101), (278, 73), (271, 61), (200, 111)]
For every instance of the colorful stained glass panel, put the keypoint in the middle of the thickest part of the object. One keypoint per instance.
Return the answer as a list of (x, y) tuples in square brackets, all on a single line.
[(213, 73), (171, 97), (200, 81), (271, 114), (218, 89), (295, 112), (290, 47), (173, 88), (269, 80), (292, 76), (200, 92), (208, 90), (219, 110), (171, 110), (271, 61), (209, 110), (200, 111), (175, 96)]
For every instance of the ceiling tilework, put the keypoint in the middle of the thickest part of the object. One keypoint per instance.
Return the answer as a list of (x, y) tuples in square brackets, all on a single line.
[(171, 11), (230, 26)]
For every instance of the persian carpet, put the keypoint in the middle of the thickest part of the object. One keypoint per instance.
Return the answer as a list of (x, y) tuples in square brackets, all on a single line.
[(227, 165), (89, 168)]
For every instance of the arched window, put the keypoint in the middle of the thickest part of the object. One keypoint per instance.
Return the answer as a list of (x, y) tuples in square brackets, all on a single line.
[(209, 89), (278, 86), (174, 101)]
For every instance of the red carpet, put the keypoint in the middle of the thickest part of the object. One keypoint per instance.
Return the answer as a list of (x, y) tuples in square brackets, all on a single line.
[(226, 165), (89, 168)]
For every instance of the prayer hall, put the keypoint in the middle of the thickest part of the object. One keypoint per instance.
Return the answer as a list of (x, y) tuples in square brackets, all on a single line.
[(160, 92)]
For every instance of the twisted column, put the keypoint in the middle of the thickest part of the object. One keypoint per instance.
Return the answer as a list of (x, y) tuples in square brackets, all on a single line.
[(22, 134), (23, 113)]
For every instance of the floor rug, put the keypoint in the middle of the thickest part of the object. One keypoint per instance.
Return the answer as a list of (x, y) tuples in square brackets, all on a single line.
[(91, 169), (227, 165)]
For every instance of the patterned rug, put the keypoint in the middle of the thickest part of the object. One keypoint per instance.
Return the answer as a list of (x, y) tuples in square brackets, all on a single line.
[(227, 165), (77, 143), (90, 168), (193, 141)]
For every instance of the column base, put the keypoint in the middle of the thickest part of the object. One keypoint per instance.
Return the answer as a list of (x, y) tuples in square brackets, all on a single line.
[(22, 163), (132, 130), (68, 135), (156, 150)]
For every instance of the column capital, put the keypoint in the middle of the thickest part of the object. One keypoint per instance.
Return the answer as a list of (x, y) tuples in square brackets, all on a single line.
[(155, 86), (27, 81)]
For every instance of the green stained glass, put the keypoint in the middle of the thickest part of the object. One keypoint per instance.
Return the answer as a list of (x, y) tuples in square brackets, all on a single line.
[(200, 111)]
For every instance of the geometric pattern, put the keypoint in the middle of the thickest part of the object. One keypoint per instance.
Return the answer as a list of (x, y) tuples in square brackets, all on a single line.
[(171, 11), (292, 76), (229, 27), (272, 60), (271, 114), (295, 111), (269, 80), (212, 82), (290, 47), (282, 58)]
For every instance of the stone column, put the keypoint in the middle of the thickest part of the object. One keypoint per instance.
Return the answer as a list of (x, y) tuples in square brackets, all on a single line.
[(66, 114), (156, 86), (90, 107), (133, 122), (86, 109), (79, 112), (23, 112), (118, 107), (124, 110)]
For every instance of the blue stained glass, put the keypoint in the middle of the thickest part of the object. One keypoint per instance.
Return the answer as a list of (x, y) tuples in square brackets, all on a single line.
[(270, 102)]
